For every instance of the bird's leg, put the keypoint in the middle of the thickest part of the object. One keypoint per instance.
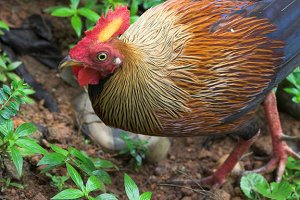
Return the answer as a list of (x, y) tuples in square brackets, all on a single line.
[(219, 177), (281, 150)]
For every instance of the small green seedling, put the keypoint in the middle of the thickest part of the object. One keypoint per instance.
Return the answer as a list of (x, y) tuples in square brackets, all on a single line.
[(93, 169), (58, 181), (255, 185), (136, 148), (92, 184), (15, 143)]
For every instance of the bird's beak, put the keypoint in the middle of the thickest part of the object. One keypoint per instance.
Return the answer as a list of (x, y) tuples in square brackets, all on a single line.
[(68, 62)]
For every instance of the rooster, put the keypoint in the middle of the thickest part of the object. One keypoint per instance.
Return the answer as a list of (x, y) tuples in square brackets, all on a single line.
[(189, 68)]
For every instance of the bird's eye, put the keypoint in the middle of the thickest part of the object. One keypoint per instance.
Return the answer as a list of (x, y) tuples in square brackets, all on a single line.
[(102, 56)]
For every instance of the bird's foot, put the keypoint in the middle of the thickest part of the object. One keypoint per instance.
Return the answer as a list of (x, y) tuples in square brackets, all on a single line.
[(281, 153), (281, 150)]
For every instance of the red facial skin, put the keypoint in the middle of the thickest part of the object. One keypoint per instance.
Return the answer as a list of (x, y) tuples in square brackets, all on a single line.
[(91, 70)]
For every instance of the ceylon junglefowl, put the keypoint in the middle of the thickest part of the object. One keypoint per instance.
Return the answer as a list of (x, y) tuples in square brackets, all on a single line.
[(188, 68)]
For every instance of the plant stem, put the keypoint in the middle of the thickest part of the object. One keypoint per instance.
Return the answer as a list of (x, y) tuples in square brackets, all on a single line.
[(8, 100)]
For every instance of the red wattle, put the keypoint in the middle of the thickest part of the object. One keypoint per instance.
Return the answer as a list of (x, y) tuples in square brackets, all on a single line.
[(86, 76)]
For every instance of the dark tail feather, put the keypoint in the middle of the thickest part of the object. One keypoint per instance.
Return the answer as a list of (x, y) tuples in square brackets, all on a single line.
[(285, 15)]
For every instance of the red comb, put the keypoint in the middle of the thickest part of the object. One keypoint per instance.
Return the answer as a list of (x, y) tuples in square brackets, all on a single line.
[(114, 24)]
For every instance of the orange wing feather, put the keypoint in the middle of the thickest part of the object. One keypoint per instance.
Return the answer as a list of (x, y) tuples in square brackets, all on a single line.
[(232, 66)]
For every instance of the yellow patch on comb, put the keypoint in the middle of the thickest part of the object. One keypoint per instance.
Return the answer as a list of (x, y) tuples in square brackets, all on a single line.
[(111, 28)]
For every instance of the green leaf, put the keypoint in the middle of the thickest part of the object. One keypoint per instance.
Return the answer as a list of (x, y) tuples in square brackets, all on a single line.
[(5, 113), (31, 146), (14, 105), (63, 12), (2, 63), (293, 91), (25, 152), (251, 183), (14, 65), (25, 129), (105, 164), (52, 159), (282, 190), (146, 196), (17, 160), (74, 4), (6, 89), (93, 183), (75, 176), (83, 167), (4, 25), (3, 96), (3, 79), (28, 91), (83, 158), (16, 185), (13, 76), (76, 24), (106, 196), (52, 8), (59, 150), (131, 188), (103, 176), (69, 194), (89, 14), (7, 127)]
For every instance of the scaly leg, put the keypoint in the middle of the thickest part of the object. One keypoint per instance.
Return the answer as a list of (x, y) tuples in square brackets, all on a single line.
[(281, 150), (219, 177)]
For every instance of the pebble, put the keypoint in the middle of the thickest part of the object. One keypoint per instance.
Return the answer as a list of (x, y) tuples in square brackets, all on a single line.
[(172, 157)]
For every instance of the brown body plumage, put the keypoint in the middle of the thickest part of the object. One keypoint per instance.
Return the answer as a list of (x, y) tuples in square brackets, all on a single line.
[(190, 67), (188, 71)]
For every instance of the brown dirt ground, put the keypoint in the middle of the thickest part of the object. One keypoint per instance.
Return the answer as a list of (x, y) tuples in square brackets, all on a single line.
[(187, 157)]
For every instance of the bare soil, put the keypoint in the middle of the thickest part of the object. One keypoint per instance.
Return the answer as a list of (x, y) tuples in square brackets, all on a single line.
[(189, 158)]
